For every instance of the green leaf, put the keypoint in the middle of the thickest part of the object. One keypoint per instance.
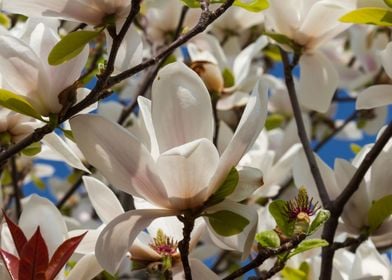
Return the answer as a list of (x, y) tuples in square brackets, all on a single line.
[(5, 20), (17, 103), (371, 15), (227, 223), (380, 210), (68, 134), (227, 188), (274, 121), (388, 3), (38, 182), (268, 238), (228, 78), (307, 245), (283, 40), (321, 218), (6, 178), (70, 46), (252, 6), (191, 3), (32, 150), (277, 210), (355, 148), (290, 273)]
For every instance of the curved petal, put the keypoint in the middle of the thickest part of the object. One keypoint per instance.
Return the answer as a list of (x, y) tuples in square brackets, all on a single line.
[(39, 211), (250, 126), (386, 55), (250, 179), (104, 201), (117, 237), (181, 107), (317, 83), (199, 271), (145, 114), (381, 176), (186, 171), (63, 151), (119, 157), (87, 245), (243, 241), (141, 250), (374, 96), (86, 268)]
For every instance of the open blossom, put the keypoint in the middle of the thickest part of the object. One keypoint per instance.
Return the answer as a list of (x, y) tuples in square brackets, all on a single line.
[(179, 168), (310, 24), (25, 70)]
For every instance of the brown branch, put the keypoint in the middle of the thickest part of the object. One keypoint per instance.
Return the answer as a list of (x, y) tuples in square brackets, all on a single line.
[(183, 245), (15, 185), (266, 253), (69, 193), (301, 127)]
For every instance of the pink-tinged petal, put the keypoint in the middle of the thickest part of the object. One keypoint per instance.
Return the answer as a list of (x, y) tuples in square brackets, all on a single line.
[(39, 211), (86, 268), (243, 241), (130, 52), (199, 271), (303, 176), (374, 96), (318, 82), (141, 249), (83, 11), (181, 107), (283, 18), (117, 154), (117, 237), (145, 115), (104, 201), (359, 202), (250, 179), (386, 56), (63, 151), (250, 126), (186, 171)]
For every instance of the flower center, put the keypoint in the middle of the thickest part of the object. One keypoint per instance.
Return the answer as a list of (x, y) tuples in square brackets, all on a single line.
[(163, 244)]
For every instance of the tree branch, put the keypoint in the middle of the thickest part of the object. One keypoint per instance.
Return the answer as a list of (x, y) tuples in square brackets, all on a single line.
[(301, 128)]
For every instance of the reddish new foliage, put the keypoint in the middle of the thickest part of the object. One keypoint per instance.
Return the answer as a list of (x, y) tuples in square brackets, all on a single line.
[(33, 262)]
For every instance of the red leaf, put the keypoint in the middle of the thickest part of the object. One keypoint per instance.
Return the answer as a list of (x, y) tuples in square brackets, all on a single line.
[(11, 262), (62, 255), (34, 259), (17, 234)]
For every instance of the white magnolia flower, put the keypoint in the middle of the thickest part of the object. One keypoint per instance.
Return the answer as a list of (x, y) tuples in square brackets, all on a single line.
[(374, 186), (25, 71), (40, 212), (378, 95), (179, 168), (311, 24), (14, 125)]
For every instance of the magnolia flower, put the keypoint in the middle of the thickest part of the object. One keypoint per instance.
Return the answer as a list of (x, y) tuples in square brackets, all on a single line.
[(374, 186), (378, 95), (310, 24), (179, 168), (40, 212), (14, 127), (25, 70)]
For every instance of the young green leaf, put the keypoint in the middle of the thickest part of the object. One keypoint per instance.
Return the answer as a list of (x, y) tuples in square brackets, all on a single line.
[(252, 6), (307, 245), (227, 188), (274, 121), (228, 78), (321, 218), (268, 238), (372, 15), (32, 150), (18, 104), (277, 210), (380, 210), (388, 3), (289, 273), (227, 223), (70, 46)]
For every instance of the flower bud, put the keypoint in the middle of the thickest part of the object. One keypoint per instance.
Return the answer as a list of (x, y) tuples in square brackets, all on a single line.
[(210, 74)]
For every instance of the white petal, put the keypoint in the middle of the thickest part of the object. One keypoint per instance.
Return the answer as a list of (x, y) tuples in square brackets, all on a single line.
[(118, 236), (145, 114), (141, 249), (199, 271), (318, 82), (119, 157), (374, 96), (86, 268), (87, 245), (243, 61), (250, 179), (250, 126), (381, 176), (63, 151), (224, 136), (104, 201), (386, 55), (186, 171), (243, 241), (181, 107), (39, 211)]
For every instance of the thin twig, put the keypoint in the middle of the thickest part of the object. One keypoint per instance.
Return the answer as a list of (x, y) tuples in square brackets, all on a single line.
[(69, 193), (301, 128), (15, 185)]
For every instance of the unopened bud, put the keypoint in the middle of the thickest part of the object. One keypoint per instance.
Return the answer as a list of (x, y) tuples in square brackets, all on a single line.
[(210, 74)]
